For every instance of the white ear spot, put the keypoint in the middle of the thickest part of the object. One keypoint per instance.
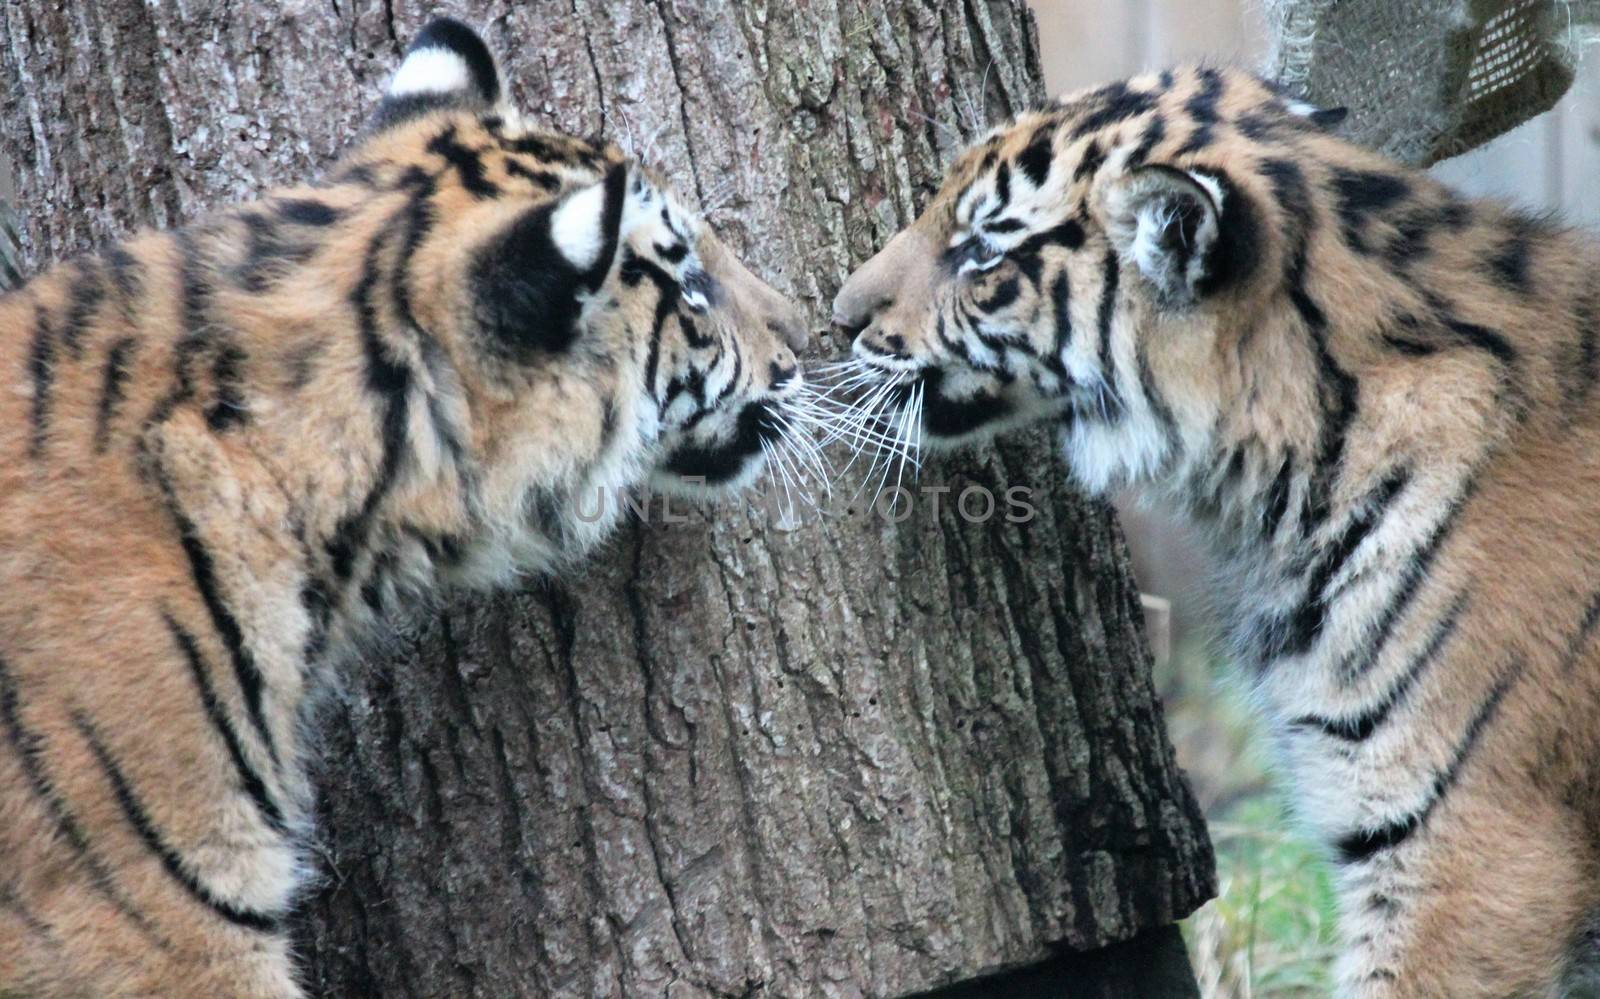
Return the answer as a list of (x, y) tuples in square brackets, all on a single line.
[(575, 226), (1326, 119), (430, 71)]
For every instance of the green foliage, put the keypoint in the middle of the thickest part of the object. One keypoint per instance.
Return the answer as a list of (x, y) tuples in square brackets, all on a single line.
[(1270, 931)]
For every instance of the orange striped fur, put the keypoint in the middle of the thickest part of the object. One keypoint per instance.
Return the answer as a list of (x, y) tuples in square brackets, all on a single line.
[(233, 449), (1377, 399)]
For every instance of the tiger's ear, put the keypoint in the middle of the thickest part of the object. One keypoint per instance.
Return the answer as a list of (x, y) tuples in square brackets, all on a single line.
[(1166, 222), (530, 283), (447, 66), (1326, 119)]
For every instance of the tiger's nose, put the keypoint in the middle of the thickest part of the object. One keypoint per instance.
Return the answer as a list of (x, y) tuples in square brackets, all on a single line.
[(789, 325), (857, 302), (899, 272), (853, 313)]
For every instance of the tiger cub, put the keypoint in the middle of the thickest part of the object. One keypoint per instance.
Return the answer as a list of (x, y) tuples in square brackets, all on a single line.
[(1377, 400), (233, 448)]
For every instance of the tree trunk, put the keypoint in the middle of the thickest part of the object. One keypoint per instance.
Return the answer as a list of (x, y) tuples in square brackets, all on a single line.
[(725, 758)]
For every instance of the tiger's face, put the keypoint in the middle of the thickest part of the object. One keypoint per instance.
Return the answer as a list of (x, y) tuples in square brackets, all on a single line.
[(1078, 265), (598, 334)]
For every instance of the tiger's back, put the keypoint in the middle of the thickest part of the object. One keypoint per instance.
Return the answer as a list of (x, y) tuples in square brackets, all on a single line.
[(117, 718)]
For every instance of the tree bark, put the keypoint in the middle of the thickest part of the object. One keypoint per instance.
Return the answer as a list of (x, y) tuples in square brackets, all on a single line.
[(725, 758)]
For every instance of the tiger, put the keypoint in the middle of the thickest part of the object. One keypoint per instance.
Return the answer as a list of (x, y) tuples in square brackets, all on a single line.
[(1375, 400), (237, 450)]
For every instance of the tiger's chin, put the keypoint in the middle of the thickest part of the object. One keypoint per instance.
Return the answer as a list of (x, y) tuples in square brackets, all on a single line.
[(960, 408), (715, 465)]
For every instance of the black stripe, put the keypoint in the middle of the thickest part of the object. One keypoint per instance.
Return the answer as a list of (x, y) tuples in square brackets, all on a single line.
[(84, 296), (542, 178), (1363, 194), (1580, 638), (390, 382), (1202, 109), (1416, 573), (113, 381), (1278, 498), (1061, 304), (127, 274), (253, 785), (1339, 390), (1236, 254), (1306, 622), (1068, 234), (1414, 340), (1002, 190), (228, 409), (1035, 161), (1108, 303), (306, 211), (1588, 366), (1154, 133), (318, 606), (1005, 294), (133, 810), (1510, 262), (1340, 402), (1359, 727), (1410, 347), (634, 270), (1364, 843), (267, 254), (1290, 190), (1412, 233), (611, 226), (466, 162), (1089, 163), (1157, 402), (419, 220), (30, 748), (738, 370), (38, 927), (203, 572), (1111, 104), (42, 370), (1483, 339), (1259, 126), (672, 253), (192, 286)]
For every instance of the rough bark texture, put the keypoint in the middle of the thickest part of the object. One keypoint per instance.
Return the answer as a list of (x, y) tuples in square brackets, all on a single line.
[(729, 759)]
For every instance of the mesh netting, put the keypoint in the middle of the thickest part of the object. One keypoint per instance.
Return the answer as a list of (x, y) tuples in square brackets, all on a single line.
[(1429, 79)]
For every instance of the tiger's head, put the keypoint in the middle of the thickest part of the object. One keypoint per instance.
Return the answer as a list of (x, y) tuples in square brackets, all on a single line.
[(586, 331), (1094, 263)]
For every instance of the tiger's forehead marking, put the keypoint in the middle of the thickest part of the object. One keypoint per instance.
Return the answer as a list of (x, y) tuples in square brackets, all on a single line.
[(1194, 107)]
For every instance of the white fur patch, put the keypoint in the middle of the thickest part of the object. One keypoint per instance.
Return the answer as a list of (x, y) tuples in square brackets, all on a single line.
[(430, 71), (575, 226)]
